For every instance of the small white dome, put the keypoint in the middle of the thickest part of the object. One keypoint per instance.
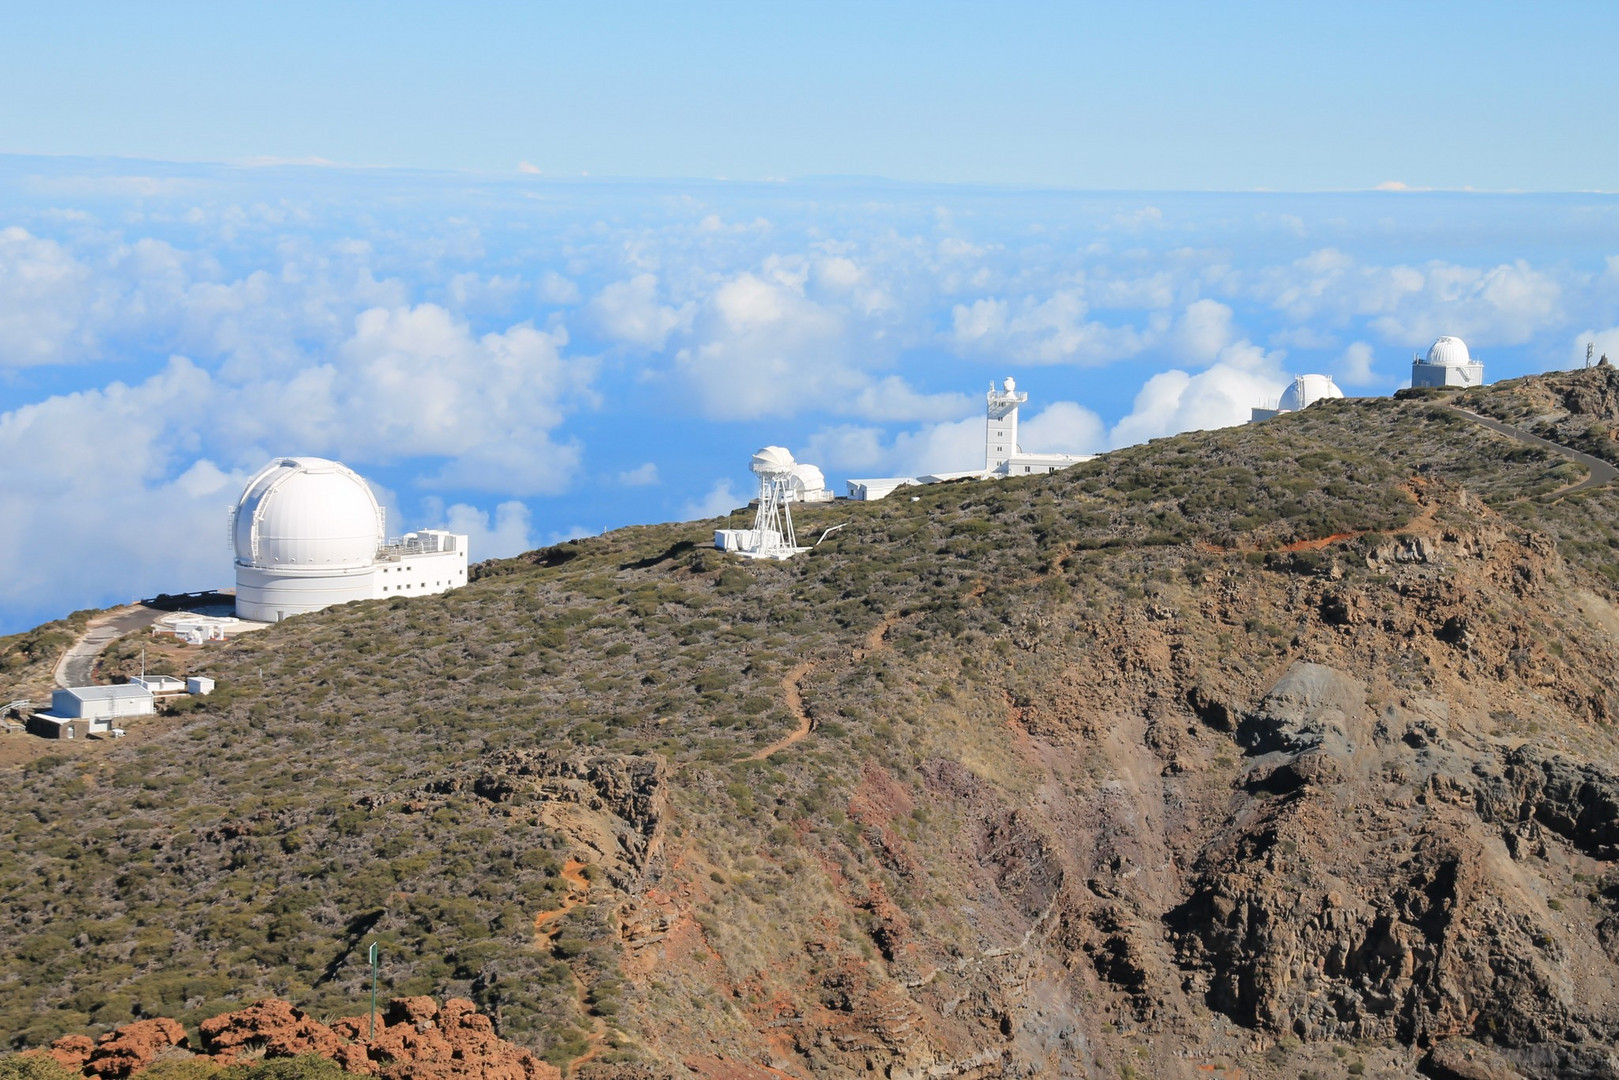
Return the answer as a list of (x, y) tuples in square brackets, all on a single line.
[(1010, 384), (772, 461), (1449, 351), (307, 513), (808, 478), (1306, 390)]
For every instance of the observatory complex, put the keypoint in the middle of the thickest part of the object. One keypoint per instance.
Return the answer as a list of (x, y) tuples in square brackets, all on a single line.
[(1003, 456), (1303, 392), (1448, 363), (308, 533)]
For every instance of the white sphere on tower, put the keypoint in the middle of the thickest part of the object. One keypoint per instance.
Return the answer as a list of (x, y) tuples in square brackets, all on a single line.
[(772, 461)]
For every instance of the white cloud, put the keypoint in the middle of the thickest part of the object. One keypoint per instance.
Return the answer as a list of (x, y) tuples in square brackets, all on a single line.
[(1204, 328), (508, 535), (764, 349), (641, 476), (556, 289), (1354, 367), (1063, 427), (1050, 331), (414, 382), (44, 296), (1175, 401), (892, 399), (720, 500), (94, 504), (629, 311)]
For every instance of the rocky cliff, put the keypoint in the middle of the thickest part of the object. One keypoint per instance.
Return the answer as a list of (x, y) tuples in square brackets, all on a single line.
[(1276, 751)]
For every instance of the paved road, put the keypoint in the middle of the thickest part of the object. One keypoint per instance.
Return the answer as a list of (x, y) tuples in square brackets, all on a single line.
[(1601, 472), (78, 664)]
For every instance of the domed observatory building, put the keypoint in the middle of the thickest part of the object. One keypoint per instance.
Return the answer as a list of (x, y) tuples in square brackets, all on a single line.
[(1448, 363), (308, 533), (1303, 392)]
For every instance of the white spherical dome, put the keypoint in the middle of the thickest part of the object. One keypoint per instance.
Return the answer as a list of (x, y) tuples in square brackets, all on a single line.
[(1010, 384), (307, 513), (772, 461), (1306, 391), (1449, 351), (808, 478)]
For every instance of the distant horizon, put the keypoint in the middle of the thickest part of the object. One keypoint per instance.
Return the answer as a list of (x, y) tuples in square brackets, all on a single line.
[(517, 174)]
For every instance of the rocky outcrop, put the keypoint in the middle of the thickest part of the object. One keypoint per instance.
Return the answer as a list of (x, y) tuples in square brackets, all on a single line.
[(123, 1051), (1577, 801), (415, 1039), (615, 803)]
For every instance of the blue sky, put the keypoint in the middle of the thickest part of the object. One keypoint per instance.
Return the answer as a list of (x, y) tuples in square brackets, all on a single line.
[(830, 232)]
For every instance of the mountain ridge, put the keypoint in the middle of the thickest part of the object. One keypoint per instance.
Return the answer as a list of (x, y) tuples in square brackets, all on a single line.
[(1268, 748)]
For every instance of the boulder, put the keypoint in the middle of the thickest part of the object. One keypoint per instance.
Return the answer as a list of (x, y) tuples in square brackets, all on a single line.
[(275, 1025), (132, 1047)]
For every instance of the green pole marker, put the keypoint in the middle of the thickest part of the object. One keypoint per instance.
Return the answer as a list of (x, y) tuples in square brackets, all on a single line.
[(372, 954)]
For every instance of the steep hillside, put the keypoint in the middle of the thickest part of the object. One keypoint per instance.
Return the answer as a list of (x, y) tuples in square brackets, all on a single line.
[(1284, 749)]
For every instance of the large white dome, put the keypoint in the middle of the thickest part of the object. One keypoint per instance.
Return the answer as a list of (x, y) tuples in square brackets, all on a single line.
[(1306, 391), (307, 514), (1449, 351)]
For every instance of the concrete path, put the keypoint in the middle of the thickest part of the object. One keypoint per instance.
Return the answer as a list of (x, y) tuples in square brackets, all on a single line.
[(78, 663), (1601, 473)]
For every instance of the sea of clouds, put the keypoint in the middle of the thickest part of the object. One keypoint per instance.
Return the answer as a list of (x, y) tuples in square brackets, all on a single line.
[(526, 358)]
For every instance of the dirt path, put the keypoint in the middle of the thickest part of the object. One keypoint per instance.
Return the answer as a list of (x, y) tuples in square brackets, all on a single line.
[(547, 928), (792, 685), (78, 664), (793, 690), (1601, 473)]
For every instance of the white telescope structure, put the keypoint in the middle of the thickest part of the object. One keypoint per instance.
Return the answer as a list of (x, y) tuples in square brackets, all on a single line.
[(772, 534)]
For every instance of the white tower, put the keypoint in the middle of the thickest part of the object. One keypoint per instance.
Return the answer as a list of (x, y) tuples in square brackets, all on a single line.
[(773, 525), (1000, 428)]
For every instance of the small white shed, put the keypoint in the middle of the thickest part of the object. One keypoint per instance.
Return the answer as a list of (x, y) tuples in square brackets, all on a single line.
[(201, 685)]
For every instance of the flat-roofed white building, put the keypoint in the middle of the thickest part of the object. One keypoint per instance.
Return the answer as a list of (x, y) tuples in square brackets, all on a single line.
[(102, 702)]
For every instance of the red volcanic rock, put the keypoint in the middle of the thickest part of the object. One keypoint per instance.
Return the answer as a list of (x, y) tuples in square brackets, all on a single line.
[(429, 1043), (280, 1029), (415, 1040), (133, 1047), (411, 1010), (70, 1051)]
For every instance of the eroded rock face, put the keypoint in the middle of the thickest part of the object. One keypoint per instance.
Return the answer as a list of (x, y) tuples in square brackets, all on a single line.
[(1293, 926), (614, 803)]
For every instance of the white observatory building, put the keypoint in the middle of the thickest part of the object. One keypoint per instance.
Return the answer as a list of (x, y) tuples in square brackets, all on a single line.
[(308, 533), (1301, 393), (1448, 363), (1003, 456)]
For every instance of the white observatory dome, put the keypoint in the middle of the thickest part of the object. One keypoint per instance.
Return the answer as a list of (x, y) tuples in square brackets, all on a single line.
[(772, 461), (808, 483), (307, 514), (1449, 351), (1306, 390)]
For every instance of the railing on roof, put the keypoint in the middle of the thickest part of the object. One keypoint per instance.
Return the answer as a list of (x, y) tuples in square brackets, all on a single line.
[(430, 543)]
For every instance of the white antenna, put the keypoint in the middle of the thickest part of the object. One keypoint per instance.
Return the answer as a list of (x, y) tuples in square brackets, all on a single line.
[(1590, 347)]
